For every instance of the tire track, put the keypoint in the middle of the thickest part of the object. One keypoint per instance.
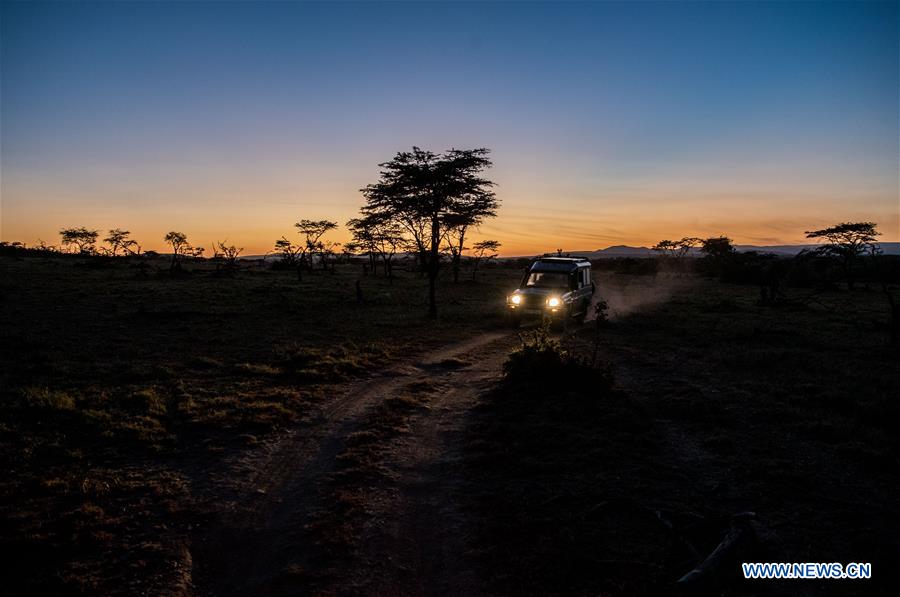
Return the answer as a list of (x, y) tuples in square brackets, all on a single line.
[(263, 543)]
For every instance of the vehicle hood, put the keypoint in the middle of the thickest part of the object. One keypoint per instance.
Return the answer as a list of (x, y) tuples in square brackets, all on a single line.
[(541, 291)]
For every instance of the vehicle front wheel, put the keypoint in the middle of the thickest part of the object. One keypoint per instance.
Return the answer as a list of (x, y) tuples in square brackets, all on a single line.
[(582, 314), (513, 319)]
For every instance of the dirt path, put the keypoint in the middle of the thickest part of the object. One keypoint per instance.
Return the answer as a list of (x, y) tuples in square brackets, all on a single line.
[(410, 538)]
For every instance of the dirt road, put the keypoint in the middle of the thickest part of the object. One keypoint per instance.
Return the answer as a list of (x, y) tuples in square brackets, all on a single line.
[(363, 500)]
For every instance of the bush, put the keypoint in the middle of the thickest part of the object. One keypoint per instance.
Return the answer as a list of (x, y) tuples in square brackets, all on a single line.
[(147, 402), (541, 362), (538, 355)]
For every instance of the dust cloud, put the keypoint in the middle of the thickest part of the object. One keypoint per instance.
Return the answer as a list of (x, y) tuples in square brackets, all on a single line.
[(629, 294)]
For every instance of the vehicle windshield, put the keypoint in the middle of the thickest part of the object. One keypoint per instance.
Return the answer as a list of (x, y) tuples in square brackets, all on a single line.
[(547, 280)]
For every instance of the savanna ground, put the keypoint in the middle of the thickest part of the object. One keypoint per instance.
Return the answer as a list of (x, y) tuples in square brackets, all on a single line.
[(212, 435)]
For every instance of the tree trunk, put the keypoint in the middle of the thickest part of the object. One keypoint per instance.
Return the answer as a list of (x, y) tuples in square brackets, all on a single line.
[(423, 262), (388, 271), (433, 266), (432, 299), (457, 255)]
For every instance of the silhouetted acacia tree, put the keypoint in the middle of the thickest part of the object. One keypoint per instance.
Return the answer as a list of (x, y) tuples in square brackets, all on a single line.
[(313, 231), (677, 249), (717, 254), (666, 248), (362, 242), (287, 251), (454, 248), (424, 192), (118, 239), (327, 253), (484, 251), (469, 209), (379, 236), (846, 243), (181, 248), (717, 246), (228, 254), (81, 238)]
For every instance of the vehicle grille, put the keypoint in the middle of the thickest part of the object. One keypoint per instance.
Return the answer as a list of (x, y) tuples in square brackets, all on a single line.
[(532, 301)]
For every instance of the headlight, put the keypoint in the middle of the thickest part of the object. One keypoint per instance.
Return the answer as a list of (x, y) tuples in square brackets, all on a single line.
[(553, 302), (515, 299)]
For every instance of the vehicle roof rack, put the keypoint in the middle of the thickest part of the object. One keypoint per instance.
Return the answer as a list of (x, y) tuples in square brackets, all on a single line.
[(562, 256)]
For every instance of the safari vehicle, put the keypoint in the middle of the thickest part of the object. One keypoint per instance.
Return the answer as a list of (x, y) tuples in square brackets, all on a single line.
[(555, 288)]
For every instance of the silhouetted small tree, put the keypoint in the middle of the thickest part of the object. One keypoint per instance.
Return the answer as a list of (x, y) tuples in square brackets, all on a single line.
[(44, 247), (327, 252), (81, 238), (228, 254), (313, 231), (846, 243), (677, 249), (666, 248), (289, 255), (718, 247), (287, 251), (469, 209), (379, 236), (484, 251), (118, 240), (181, 249), (717, 254)]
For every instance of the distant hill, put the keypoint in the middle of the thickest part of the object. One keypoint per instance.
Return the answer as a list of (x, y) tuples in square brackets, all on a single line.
[(786, 250), (618, 251)]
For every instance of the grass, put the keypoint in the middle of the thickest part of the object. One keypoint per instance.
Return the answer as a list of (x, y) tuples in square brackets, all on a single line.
[(125, 392), (358, 479), (720, 406)]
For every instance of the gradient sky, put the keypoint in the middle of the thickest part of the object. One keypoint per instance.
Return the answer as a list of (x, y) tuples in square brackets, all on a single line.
[(610, 123)]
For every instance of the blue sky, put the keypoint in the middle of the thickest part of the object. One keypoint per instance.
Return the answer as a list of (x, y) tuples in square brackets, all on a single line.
[(753, 119)]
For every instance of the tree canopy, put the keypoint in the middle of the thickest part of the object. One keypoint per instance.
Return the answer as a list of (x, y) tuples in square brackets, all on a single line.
[(845, 243), (433, 197), (81, 238)]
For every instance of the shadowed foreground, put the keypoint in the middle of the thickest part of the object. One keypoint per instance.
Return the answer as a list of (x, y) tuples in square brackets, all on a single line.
[(213, 436)]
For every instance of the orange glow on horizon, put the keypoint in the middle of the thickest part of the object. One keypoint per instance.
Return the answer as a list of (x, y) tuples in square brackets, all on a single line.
[(521, 231), (540, 212)]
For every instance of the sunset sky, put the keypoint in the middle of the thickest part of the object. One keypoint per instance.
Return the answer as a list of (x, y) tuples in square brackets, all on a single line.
[(609, 123)]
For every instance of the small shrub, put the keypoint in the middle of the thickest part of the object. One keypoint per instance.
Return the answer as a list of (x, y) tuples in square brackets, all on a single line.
[(148, 401), (542, 362), (45, 399), (539, 356)]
